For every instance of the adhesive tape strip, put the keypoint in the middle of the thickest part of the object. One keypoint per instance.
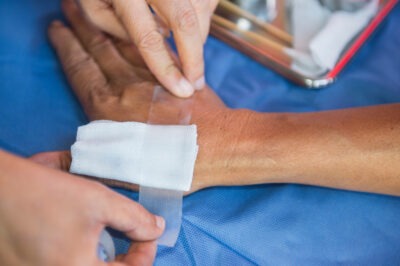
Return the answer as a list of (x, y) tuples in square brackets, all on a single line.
[(166, 110), (167, 204)]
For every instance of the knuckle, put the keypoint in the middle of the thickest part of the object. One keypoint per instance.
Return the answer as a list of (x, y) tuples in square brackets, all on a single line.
[(186, 19), (98, 100), (75, 63), (73, 67), (97, 42), (151, 40)]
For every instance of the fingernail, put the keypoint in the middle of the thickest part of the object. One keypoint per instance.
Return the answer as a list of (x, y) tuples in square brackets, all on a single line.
[(200, 83), (184, 88), (160, 222), (56, 23)]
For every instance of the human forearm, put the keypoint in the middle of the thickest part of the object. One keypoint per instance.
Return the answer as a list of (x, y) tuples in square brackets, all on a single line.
[(356, 149)]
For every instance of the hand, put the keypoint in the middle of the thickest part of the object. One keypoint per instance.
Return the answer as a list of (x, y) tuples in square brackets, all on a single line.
[(189, 20), (111, 82), (48, 217)]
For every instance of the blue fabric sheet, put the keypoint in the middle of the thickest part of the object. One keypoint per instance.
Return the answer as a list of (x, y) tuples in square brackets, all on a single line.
[(268, 224)]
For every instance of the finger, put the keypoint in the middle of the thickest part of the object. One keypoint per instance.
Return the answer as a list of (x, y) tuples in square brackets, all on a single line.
[(182, 18), (131, 54), (97, 44), (151, 46), (203, 12), (130, 217), (173, 55), (81, 70), (57, 160), (141, 253), (102, 14)]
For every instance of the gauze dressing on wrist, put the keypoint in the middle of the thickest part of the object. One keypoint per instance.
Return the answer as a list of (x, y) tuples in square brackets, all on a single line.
[(158, 156), (148, 155)]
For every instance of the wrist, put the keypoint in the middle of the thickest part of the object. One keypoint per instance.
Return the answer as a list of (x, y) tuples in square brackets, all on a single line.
[(216, 138), (236, 149), (253, 149), (256, 157)]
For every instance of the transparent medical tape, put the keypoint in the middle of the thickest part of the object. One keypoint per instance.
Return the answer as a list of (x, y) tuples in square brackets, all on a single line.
[(166, 110)]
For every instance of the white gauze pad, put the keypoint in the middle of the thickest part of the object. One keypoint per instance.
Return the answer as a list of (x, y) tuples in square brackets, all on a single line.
[(157, 156)]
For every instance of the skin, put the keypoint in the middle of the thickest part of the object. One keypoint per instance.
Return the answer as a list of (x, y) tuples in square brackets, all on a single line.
[(354, 149), (189, 20)]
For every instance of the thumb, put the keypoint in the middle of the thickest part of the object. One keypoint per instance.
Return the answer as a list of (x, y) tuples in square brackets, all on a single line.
[(57, 160), (130, 217)]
